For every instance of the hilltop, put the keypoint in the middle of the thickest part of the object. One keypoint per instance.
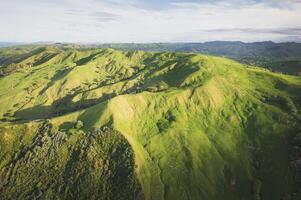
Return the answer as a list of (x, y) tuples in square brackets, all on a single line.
[(93, 123)]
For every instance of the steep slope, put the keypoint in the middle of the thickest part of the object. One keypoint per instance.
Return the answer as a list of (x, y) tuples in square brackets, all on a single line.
[(196, 126)]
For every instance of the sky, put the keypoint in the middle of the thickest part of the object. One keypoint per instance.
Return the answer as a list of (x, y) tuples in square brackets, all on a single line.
[(144, 21)]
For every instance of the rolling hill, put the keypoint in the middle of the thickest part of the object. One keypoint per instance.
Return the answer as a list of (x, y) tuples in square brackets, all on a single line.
[(93, 123)]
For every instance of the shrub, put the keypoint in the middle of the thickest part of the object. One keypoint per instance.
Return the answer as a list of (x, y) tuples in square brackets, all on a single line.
[(297, 139), (162, 86), (256, 189), (79, 124), (151, 89), (162, 124), (170, 116)]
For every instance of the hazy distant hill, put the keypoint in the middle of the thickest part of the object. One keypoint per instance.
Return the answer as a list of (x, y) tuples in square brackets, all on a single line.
[(9, 44)]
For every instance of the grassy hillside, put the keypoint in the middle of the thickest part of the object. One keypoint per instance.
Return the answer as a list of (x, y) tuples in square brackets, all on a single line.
[(105, 124)]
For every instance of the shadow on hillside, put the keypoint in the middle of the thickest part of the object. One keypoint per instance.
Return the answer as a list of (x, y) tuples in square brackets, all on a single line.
[(66, 126), (45, 59), (59, 107), (58, 76), (65, 105), (87, 59), (176, 75)]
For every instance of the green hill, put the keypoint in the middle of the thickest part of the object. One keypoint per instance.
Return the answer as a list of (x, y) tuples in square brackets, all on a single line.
[(105, 124)]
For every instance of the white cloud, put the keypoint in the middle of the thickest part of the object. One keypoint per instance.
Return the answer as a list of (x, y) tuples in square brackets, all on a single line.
[(98, 21)]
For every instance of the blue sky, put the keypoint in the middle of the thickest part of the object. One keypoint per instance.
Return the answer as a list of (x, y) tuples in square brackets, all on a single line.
[(90, 21)]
